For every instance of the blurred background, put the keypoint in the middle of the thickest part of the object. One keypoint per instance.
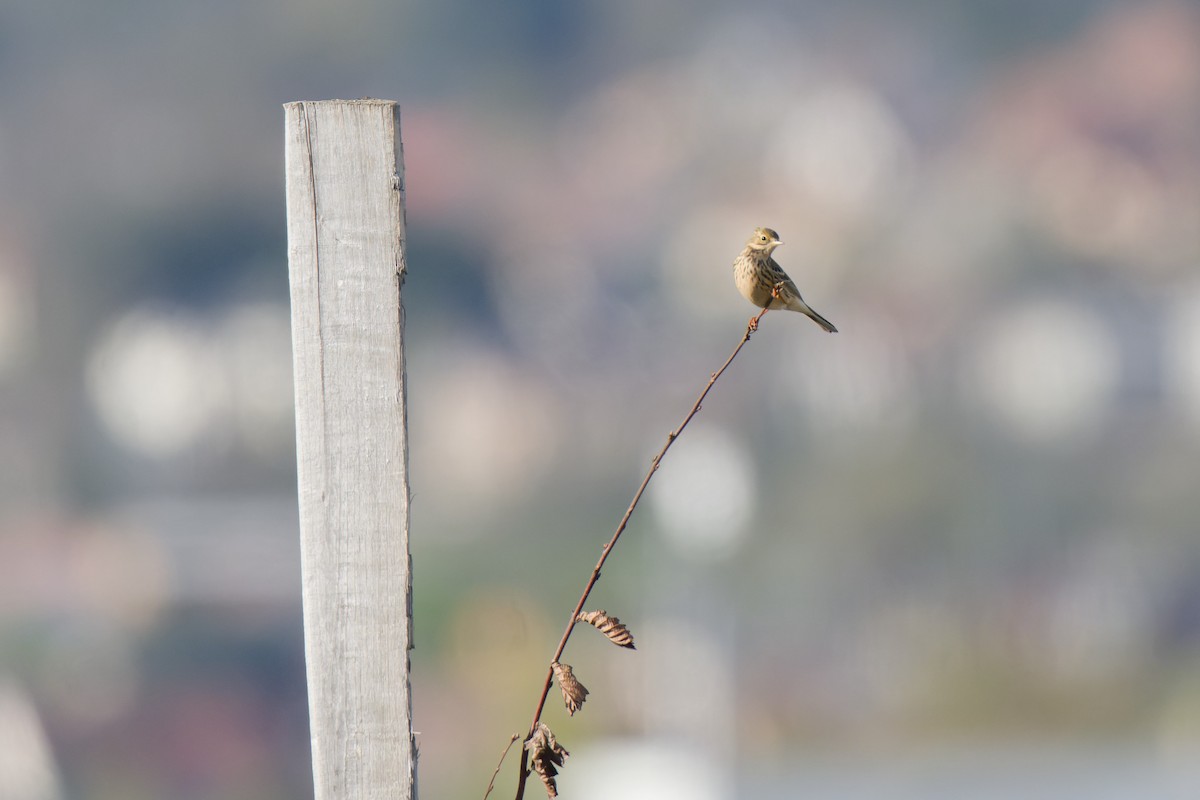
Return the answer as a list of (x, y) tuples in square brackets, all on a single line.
[(950, 552)]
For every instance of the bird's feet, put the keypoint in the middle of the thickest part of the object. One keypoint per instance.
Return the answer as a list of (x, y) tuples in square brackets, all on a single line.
[(752, 326)]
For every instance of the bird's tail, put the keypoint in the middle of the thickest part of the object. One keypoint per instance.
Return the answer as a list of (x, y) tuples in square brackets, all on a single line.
[(817, 318)]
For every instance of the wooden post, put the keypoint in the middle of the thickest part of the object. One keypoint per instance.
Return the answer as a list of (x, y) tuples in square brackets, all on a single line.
[(346, 248)]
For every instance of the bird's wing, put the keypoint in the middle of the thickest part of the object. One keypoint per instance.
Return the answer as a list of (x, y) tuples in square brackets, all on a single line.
[(777, 275)]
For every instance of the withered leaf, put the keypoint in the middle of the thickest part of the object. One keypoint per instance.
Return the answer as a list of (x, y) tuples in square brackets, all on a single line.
[(573, 692), (546, 755), (611, 627)]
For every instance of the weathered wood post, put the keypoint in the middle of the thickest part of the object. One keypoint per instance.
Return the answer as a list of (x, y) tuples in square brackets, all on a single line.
[(346, 259)]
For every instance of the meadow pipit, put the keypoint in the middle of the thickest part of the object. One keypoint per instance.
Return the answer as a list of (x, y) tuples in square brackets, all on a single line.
[(764, 283)]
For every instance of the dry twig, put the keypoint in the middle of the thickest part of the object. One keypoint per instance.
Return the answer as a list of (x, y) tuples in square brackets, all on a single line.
[(534, 729), (500, 763)]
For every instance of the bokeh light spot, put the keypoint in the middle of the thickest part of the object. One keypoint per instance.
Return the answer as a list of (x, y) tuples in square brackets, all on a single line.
[(702, 497), (155, 383), (1047, 370)]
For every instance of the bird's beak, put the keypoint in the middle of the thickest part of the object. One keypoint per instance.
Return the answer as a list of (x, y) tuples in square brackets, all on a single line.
[(777, 243)]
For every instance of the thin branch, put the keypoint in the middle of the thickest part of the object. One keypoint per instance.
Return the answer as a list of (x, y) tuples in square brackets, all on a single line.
[(587, 590), (500, 763)]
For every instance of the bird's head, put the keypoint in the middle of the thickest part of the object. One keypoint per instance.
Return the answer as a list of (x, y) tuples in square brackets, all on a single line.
[(764, 239)]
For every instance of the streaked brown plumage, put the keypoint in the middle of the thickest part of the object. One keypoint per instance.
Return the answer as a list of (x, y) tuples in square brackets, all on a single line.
[(757, 276)]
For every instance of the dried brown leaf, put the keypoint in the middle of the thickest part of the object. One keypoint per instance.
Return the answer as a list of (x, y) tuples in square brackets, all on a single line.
[(546, 756), (573, 692), (611, 627)]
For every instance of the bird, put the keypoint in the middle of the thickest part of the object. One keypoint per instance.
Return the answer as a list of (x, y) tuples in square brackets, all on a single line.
[(764, 283)]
